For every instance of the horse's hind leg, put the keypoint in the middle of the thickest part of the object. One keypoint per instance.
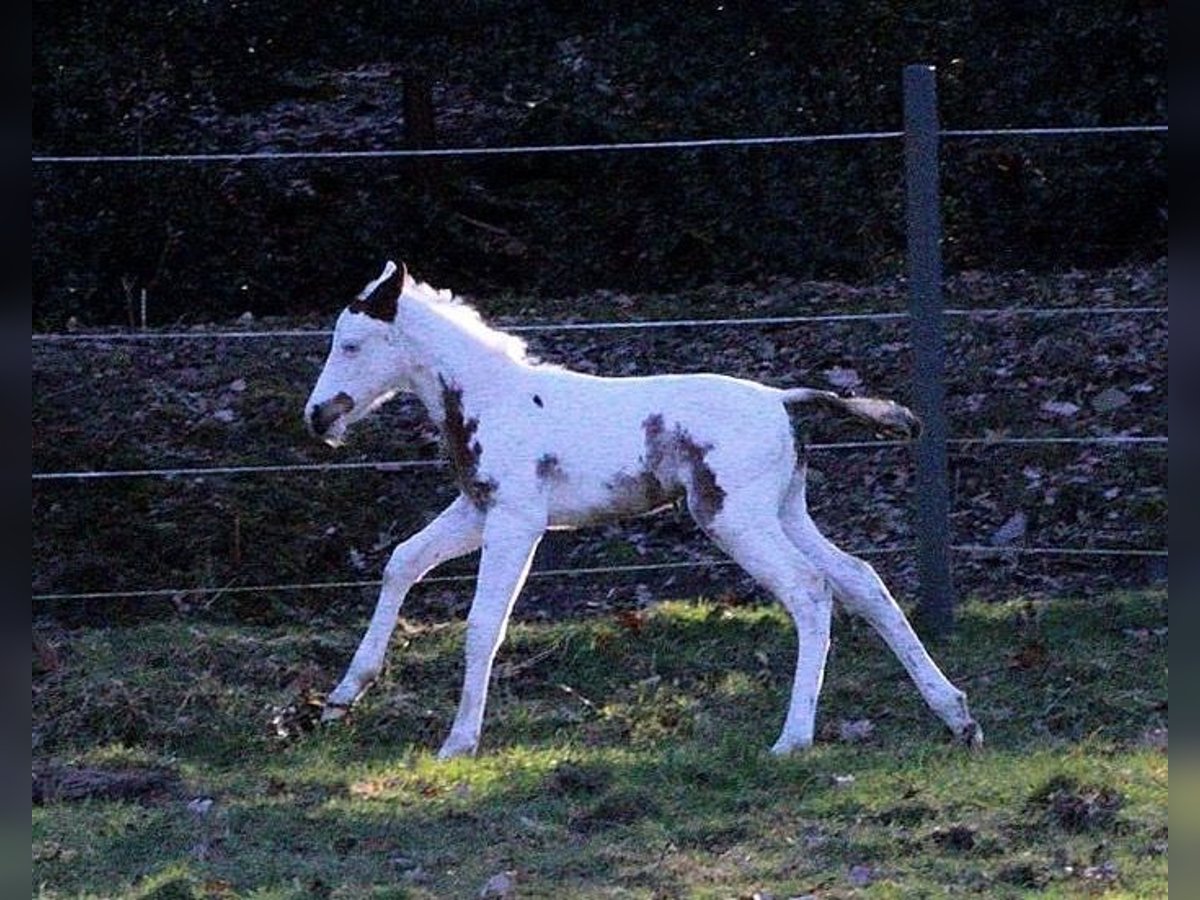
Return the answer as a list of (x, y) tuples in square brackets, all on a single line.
[(453, 533), (763, 549), (858, 587)]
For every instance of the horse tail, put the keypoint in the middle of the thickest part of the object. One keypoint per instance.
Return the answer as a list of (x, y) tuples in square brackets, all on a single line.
[(887, 415)]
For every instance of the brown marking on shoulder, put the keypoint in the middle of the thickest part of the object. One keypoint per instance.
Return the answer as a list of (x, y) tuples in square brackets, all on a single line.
[(465, 452), (384, 300)]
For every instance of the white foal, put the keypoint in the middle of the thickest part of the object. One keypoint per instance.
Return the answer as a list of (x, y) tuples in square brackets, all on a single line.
[(535, 447)]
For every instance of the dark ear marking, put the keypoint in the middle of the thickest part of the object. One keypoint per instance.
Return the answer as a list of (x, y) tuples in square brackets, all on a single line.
[(380, 299)]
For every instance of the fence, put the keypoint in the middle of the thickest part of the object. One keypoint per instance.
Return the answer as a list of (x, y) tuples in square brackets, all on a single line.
[(927, 315)]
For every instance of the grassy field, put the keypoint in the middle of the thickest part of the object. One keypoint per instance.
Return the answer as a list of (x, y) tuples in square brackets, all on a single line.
[(624, 756)]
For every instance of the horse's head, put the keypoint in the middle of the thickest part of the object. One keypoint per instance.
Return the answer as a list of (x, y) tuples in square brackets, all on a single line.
[(363, 369)]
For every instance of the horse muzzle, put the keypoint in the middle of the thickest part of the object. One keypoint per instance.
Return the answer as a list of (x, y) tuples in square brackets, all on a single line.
[(323, 415)]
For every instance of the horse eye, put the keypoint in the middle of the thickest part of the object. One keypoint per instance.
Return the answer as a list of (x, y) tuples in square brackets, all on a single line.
[(351, 347)]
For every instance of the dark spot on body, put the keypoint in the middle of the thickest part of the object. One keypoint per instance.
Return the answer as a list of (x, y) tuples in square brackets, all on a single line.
[(676, 457), (548, 468), (383, 301), (653, 429), (537, 401), (464, 452)]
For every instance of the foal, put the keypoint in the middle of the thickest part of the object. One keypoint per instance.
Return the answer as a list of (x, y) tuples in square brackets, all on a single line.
[(535, 447)]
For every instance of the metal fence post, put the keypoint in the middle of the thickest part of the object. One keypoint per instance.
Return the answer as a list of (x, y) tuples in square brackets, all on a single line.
[(936, 610)]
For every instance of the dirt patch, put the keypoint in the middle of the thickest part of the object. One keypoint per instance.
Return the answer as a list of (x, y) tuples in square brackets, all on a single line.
[(578, 780), (68, 784), (614, 809), (1078, 807)]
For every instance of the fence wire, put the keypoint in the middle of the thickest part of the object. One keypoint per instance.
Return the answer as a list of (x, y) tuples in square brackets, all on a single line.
[(408, 464), (467, 152), (617, 146), (643, 568), (640, 325)]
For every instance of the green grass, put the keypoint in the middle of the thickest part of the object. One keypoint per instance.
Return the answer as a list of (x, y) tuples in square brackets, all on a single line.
[(623, 756)]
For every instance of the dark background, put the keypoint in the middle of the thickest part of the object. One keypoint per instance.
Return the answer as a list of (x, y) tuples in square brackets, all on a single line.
[(209, 241)]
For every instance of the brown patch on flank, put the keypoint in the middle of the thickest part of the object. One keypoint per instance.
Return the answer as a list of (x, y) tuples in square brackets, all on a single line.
[(382, 302), (640, 493), (458, 434), (669, 455), (706, 497), (653, 429)]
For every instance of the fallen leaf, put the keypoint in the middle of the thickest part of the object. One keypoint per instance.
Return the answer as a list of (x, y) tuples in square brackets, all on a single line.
[(1064, 408), (861, 875), (956, 837), (1109, 399), (1012, 530), (839, 377), (1155, 739), (1106, 872), (633, 620), (1032, 655), (501, 885)]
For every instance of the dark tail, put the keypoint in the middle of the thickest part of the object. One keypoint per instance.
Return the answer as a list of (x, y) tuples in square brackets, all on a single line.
[(887, 415)]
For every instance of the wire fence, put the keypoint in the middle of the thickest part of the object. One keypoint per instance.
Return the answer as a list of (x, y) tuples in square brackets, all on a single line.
[(567, 327), (704, 564), (611, 147), (1115, 440), (644, 325)]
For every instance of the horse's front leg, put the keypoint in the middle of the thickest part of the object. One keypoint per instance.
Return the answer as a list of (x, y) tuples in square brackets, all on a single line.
[(509, 542), (454, 533)]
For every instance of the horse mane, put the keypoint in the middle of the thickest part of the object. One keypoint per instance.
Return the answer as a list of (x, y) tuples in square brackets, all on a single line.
[(467, 320)]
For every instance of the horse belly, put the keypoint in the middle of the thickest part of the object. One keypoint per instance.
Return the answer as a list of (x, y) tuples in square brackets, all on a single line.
[(603, 476), (624, 495)]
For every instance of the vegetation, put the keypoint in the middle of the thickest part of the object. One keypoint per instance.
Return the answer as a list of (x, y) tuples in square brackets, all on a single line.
[(624, 756), (209, 242), (175, 746)]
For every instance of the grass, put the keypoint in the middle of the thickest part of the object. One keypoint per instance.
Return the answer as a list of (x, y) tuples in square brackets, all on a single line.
[(624, 756)]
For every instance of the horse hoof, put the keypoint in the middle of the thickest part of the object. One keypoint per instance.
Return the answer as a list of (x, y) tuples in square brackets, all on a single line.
[(971, 736), (333, 713), (454, 750), (786, 748)]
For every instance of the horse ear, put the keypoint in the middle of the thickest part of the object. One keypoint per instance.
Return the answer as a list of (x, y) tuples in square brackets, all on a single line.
[(380, 298)]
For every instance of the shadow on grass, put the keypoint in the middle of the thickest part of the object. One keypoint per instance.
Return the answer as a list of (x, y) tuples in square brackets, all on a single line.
[(621, 754)]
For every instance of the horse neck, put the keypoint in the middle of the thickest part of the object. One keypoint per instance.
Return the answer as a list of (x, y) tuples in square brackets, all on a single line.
[(449, 352)]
